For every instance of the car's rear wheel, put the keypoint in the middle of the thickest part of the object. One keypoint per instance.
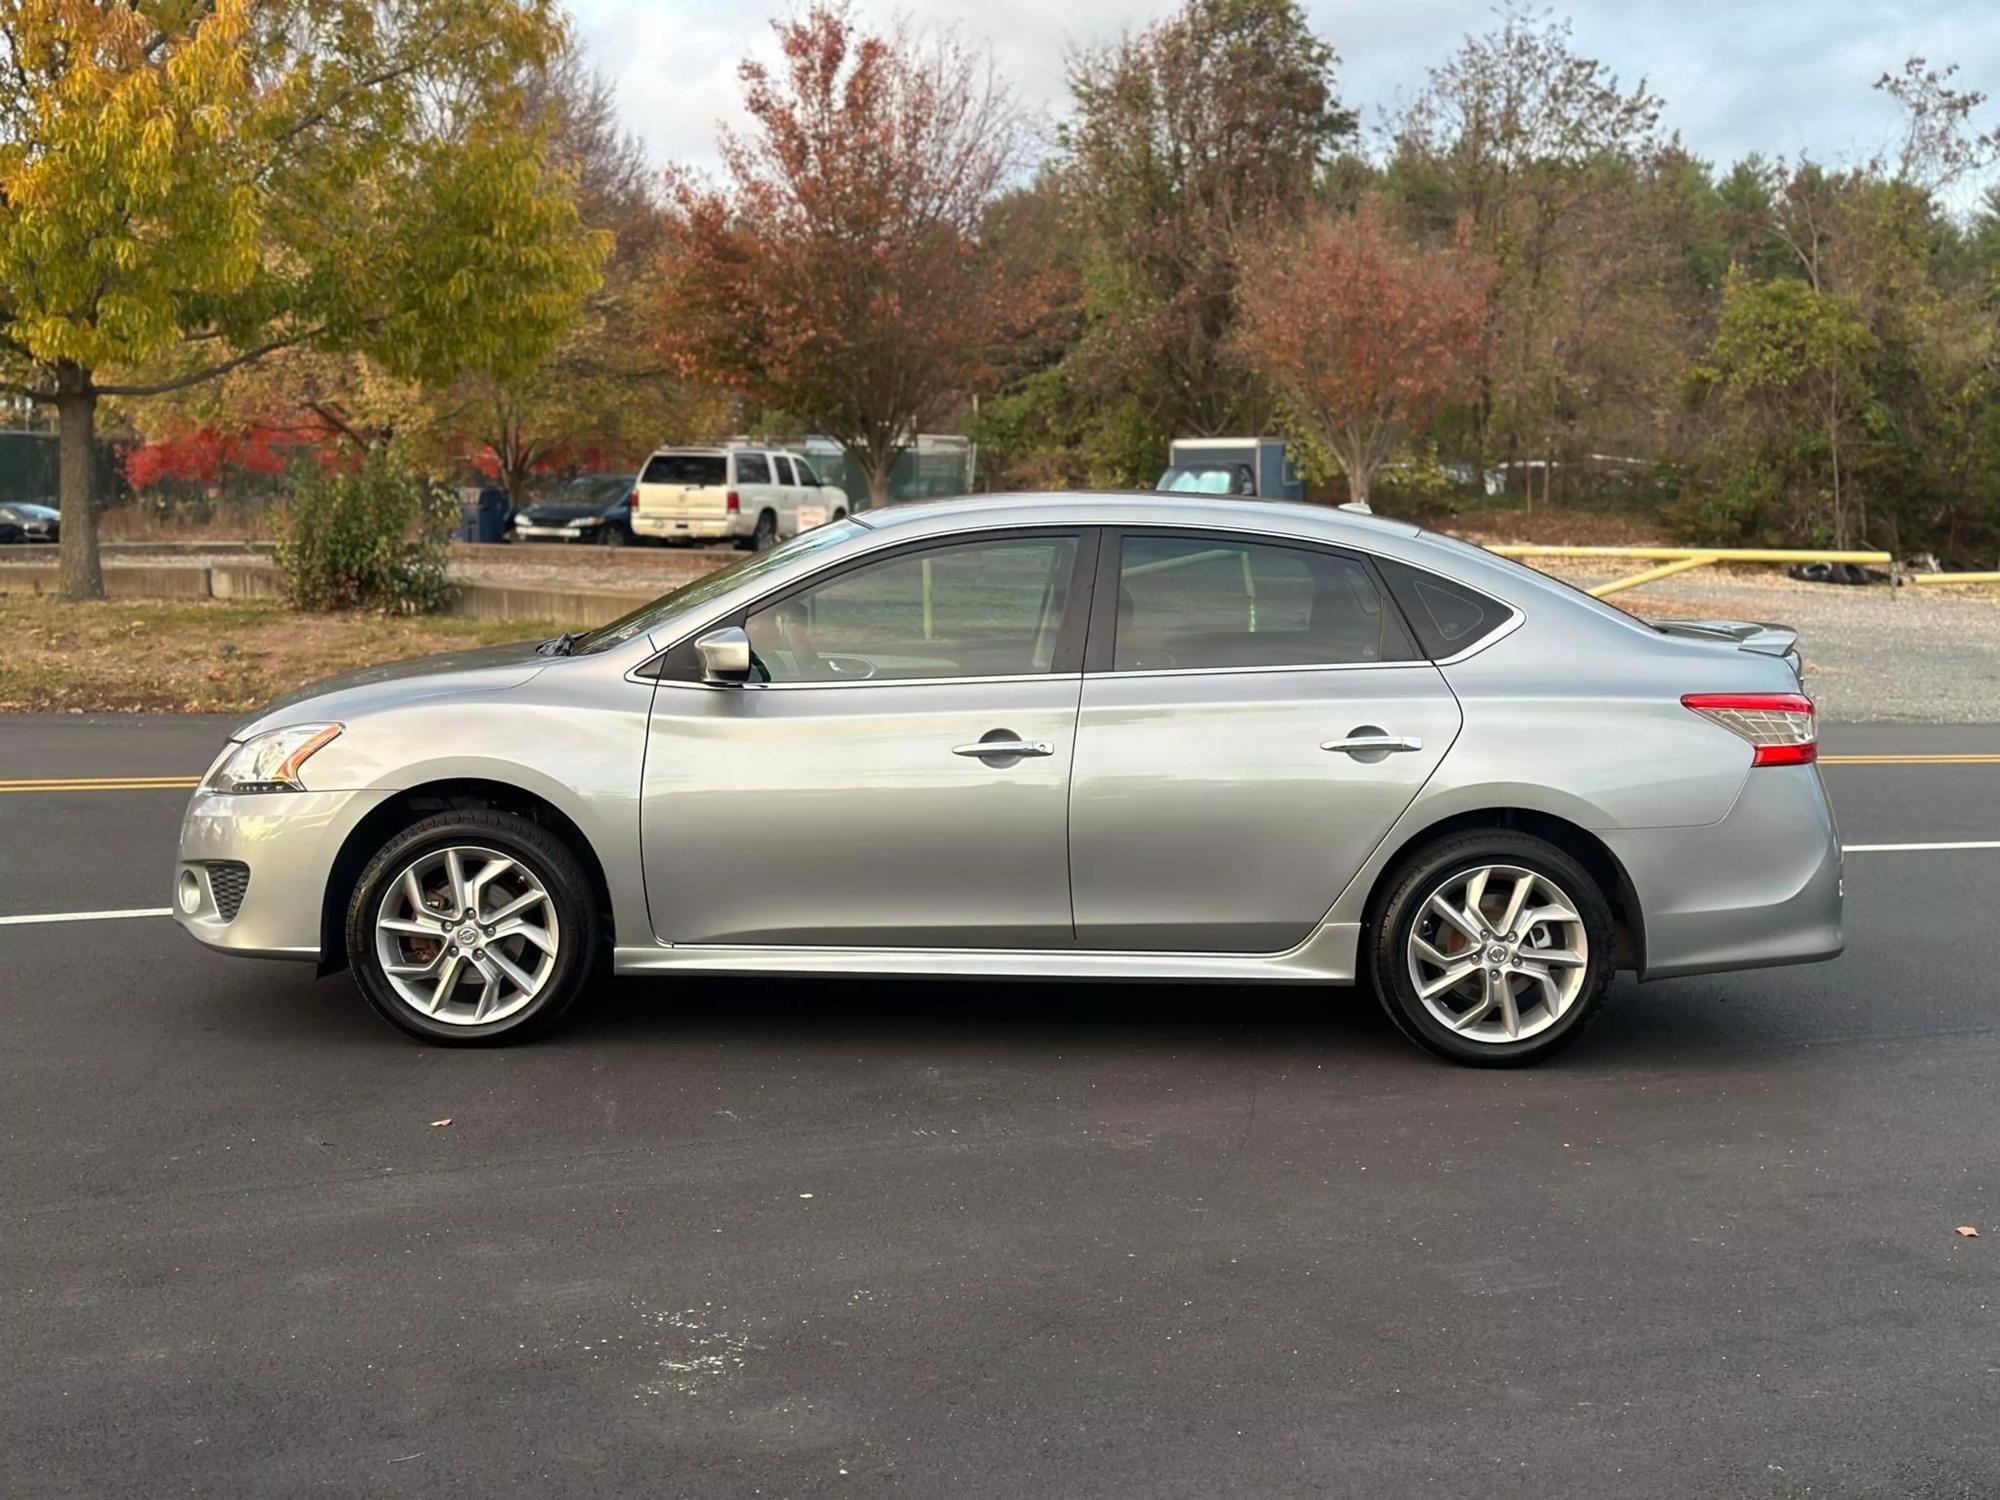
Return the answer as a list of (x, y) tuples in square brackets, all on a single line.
[(765, 537), (472, 928), (1492, 948)]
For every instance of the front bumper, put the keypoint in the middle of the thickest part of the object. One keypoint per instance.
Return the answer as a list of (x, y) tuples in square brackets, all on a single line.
[(559, 531), (1761, 887), (288, 841)]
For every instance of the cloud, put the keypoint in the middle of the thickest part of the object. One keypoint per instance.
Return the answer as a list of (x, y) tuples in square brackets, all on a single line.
[(1777, 76)]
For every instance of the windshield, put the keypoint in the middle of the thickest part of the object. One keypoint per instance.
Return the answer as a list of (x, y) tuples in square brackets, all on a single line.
[(605, 487), (650, 617), (686, 468), (1207, 479)]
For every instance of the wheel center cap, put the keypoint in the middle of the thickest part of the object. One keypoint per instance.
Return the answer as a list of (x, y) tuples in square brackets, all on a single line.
[(469, 936), (1496, 954)]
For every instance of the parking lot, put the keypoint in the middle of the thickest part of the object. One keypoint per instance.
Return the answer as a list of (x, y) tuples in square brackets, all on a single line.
[(808, 1238)]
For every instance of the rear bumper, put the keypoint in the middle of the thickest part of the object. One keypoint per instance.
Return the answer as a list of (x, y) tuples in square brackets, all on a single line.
[(1761, 887), (697, 527), (288, 841)]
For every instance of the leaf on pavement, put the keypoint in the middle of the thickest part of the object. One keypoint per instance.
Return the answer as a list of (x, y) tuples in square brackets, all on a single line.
[(1968, 1231), (437, 1124)]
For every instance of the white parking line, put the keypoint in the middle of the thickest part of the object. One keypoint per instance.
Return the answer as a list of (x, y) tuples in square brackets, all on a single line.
[(1917, 848), (31, 918)]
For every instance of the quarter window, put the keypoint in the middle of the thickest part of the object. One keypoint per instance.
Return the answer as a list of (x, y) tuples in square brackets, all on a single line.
[(1447, 616), (980, 609), (1189, 602), (752, 468)]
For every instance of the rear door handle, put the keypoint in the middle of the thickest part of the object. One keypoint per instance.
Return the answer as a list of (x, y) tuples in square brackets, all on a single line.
[(984, 748), (1365, 742)]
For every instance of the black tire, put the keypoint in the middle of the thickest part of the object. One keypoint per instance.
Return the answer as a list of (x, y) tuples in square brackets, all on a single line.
[(840, 515), (614, 535), (765, 537), (551, 862), (1409, 888)]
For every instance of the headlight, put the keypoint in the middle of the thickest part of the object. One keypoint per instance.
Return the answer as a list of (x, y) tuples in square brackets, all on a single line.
[(270, 762)]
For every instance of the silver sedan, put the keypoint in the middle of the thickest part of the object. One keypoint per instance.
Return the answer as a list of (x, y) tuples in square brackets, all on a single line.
[(1130, 737)]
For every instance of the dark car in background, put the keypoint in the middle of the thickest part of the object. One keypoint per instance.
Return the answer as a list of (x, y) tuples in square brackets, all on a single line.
[(589, 508), (23, 521)]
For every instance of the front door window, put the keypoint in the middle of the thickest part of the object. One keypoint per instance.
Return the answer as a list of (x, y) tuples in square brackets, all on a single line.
[(979, 609)]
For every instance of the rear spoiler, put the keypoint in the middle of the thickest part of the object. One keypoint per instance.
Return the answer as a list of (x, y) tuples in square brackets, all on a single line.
[(1765, 639)]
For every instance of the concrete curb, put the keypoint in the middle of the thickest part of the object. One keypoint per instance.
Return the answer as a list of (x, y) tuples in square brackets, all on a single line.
[(561, 604)]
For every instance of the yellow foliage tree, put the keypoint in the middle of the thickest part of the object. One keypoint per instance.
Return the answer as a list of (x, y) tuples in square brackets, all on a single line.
[(189, 186)]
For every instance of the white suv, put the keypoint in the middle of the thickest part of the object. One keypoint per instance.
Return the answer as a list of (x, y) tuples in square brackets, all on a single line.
[(754, 497)]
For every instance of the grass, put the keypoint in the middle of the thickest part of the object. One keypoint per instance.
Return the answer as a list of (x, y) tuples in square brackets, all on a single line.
[(190, 656)]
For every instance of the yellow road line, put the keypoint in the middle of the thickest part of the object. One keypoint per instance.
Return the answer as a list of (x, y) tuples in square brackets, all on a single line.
[(1909, 760)]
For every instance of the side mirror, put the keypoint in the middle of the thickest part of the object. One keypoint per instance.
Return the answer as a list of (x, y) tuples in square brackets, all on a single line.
[(725, 655)]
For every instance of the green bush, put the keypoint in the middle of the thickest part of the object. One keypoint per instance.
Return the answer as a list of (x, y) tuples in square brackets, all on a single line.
[(375, 538)]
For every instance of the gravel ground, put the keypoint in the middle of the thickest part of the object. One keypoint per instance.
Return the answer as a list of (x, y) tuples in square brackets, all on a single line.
[(1922, 655)]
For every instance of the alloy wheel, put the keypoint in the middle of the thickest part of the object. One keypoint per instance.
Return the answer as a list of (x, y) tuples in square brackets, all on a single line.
[(466, 935), (1498, 953)]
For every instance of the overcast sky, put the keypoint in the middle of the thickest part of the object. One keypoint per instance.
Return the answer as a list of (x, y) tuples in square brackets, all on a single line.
[(1779, 76)]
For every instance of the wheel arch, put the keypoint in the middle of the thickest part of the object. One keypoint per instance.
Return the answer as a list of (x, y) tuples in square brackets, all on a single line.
[(1578, 842), (423, 801)]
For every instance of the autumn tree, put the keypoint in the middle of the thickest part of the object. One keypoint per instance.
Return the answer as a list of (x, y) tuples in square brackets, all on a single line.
[(1184, 137), (603, 394), (837, 274), (1361, 331), (192, 187), (1541, 149)]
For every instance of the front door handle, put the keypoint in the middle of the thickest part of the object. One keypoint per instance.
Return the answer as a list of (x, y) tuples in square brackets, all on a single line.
[(1009, 748), (1389, 743)]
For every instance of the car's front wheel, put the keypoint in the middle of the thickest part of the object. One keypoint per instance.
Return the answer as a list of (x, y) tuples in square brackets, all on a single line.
[(1492, 948), (472, 927)]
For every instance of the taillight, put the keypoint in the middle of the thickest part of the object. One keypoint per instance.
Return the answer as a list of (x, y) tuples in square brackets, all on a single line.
[(734, 506), (1778, 726), (632, 500)]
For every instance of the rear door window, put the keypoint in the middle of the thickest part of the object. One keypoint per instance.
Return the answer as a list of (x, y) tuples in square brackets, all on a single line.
[(685, 469), (752, 468), (1222, 602)]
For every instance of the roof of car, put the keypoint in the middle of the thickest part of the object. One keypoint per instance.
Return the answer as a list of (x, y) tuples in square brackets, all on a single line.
[(1136, 507)]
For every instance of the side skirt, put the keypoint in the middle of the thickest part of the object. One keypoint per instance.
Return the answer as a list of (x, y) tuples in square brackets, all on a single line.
[(1327, 957)]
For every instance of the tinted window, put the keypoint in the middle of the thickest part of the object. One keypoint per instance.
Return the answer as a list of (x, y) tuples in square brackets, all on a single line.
[(806, 475), (685, 468), (1447, 616), (784, 467), (1200, 602), (981, 609), (751, 468)]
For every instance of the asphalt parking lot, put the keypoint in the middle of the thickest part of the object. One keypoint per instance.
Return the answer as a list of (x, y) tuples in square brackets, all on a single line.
[(845, 1239)]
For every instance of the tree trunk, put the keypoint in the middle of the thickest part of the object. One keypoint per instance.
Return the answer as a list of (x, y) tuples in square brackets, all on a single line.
[(79, 574), (1358, 486)]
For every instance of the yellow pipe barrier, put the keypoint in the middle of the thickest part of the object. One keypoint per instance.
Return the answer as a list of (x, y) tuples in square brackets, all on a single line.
[(1651, 575), (1951, 577), (1711, 554)]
